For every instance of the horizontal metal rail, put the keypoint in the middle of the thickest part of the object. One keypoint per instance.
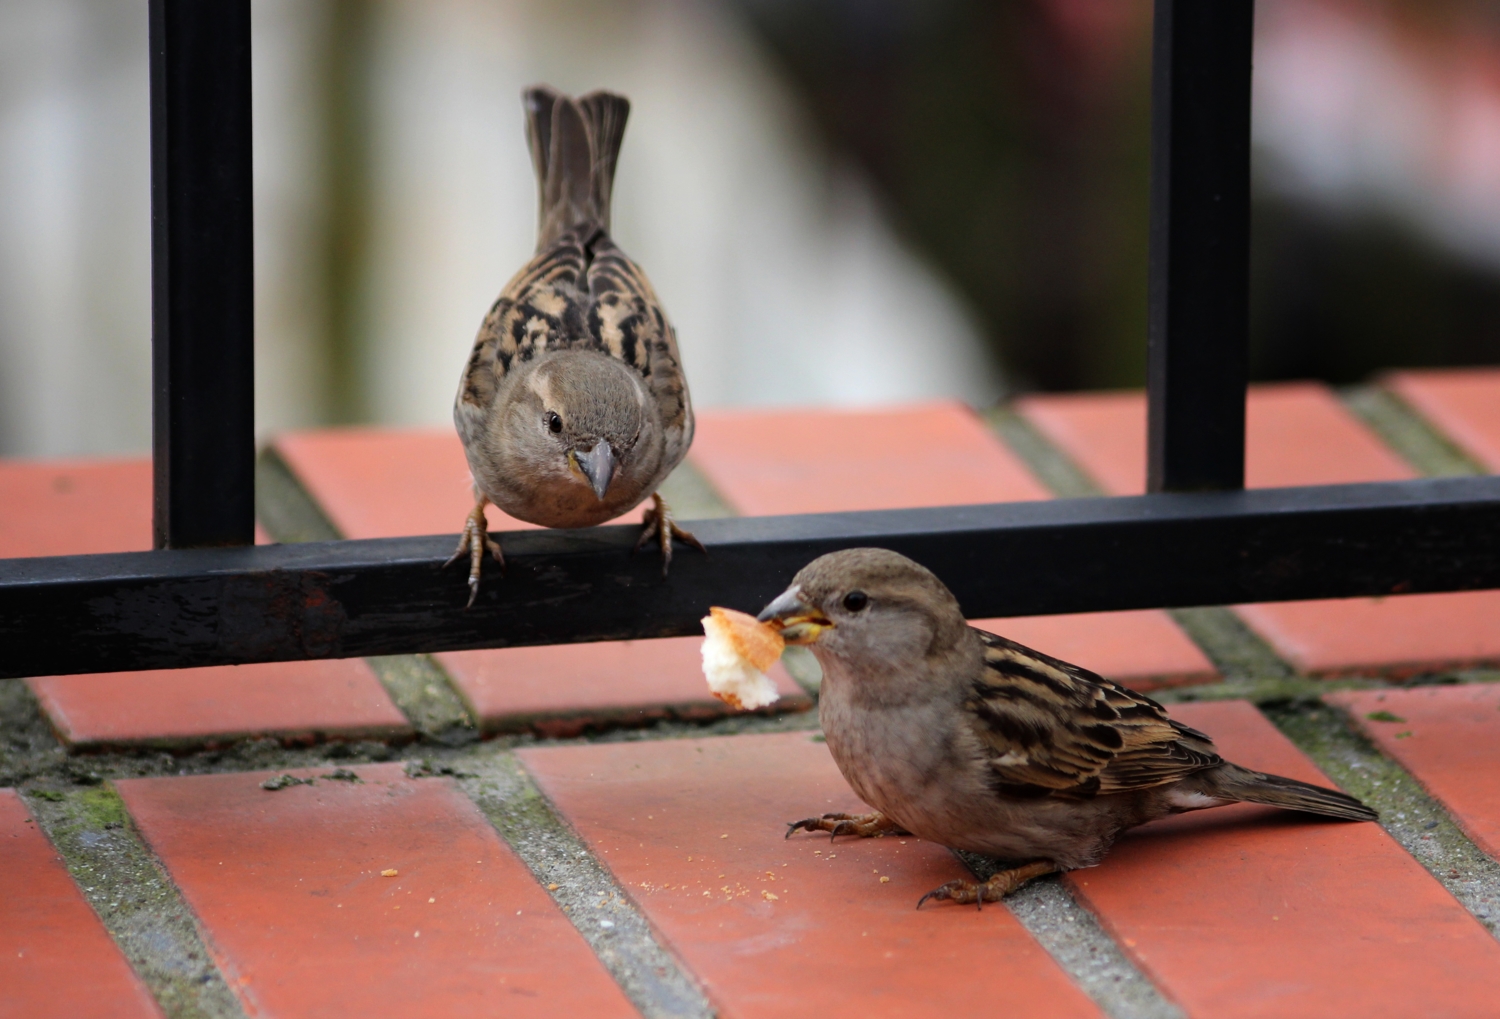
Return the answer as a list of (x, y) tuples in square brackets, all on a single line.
[(192, 607)]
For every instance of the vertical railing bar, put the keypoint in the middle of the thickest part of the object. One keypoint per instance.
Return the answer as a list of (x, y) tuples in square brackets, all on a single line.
[(1199, 264), (202, 277)]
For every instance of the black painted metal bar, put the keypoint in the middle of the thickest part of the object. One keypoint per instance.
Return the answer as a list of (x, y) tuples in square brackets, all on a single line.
[(340, 599), (202, 280), (1199, 265)]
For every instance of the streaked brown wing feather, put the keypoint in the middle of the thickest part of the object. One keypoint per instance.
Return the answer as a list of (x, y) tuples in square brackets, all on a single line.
[(1052, 728), (581, 293)]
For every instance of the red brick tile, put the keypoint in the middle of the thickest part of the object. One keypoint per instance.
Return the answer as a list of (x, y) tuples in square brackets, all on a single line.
[(785, 928), (1143, 649), (825, 461), (73, 507), (1463, 403), (56, 958), (626, 682), (289, 891), (930, 455), (1396, 636), (387, 482), (77, 507), (1249, 911), (166, 707), (1297, 434), (1448, 737)]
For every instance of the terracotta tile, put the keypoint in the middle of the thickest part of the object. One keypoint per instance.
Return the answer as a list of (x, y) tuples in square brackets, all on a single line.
[(288, 888), (167, 707), (1297, 434), (388, 482), (77, 507), (56, 958), (929, 455), (73, 507), (1249, 911), (1143, 649), (825, 461), (626, 682), (1397, 636), (1463, 403), (786, 928), (1448, 737)]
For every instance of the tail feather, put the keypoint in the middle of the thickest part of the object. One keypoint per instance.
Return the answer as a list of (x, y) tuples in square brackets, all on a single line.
[(575, 144), (1234, 782)]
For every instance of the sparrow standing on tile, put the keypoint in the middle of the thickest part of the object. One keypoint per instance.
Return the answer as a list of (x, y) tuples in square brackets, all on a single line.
[(977, 743), (573, 406)]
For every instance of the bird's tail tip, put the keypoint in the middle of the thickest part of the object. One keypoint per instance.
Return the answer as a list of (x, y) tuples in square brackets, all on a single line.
[(1291, 794), (575, 144)]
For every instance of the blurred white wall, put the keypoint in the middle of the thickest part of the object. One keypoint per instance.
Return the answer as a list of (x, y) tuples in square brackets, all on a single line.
[(785, 281), (75, 268)]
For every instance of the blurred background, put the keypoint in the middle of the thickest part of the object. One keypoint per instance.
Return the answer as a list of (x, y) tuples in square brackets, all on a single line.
[(839, 201)]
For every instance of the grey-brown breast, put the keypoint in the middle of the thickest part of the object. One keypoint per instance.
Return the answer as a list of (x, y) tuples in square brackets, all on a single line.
[(581, 293)]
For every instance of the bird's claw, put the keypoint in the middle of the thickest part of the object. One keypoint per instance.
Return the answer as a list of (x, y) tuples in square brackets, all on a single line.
[(658, 522), (962, 892), (869, 825), (475, 540), (996, 888)]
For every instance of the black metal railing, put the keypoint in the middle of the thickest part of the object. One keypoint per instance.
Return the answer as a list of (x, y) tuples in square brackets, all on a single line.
[(209, 597)]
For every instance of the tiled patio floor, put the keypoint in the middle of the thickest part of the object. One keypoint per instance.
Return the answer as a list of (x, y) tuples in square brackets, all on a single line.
[(617, 848)]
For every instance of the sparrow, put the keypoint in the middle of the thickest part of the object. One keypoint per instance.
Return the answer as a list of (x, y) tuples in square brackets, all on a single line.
[(573, 406), (977, 743)]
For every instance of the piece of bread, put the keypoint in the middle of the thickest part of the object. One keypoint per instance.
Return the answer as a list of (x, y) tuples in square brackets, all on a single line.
[(737, 651)]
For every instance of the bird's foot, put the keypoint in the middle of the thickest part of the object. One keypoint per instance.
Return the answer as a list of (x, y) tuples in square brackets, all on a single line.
[(658, 523), (474, 541), (866, 826), (996, 888)]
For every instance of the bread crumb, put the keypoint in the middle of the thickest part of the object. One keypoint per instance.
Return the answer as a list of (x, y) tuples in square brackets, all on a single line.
[(737, 651), (885, 880), (392, 872)]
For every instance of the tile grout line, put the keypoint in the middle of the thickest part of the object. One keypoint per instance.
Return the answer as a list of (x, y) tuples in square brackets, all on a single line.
[(584, 889), (1073, 936), (1408, 813), (420, 688), (1465, 870), (1407, 433), (135, 899)]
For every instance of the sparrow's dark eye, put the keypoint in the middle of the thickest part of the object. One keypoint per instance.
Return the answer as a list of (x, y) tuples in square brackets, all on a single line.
[(856, 600), (554, 423)]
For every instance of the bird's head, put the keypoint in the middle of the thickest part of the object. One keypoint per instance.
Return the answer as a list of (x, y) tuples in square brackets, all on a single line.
[(867, 602), (580, 415)]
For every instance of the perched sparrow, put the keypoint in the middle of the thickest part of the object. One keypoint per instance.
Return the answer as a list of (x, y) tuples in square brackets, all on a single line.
[(977, 743), (573, 406)]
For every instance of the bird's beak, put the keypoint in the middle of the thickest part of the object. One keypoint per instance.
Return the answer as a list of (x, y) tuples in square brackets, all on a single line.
[(598, 465), (799, 622)]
